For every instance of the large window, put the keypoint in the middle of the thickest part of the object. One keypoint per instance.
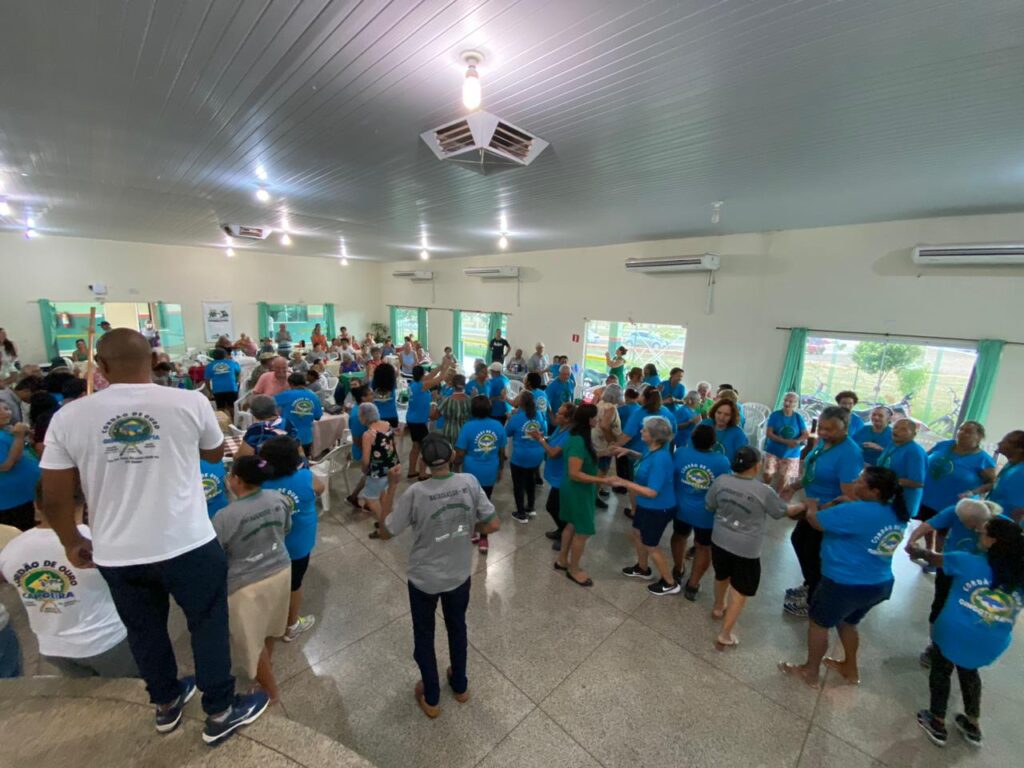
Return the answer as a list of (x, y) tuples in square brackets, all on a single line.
[(925, 382), (661, 345), (72, 322), (299, 319), (475, 333), (405, 321)]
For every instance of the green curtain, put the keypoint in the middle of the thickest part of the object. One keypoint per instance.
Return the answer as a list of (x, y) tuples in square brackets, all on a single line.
[(421, 326), (263, 320), (48, 315), (496, 320), (983, 381), (393, 325), (793, 365), (161, 316), (328, 326), (457, 333)]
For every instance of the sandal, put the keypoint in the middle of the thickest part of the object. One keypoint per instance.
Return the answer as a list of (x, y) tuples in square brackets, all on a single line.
[(717, 615), (721, 645), (588, 583), (561, 567)]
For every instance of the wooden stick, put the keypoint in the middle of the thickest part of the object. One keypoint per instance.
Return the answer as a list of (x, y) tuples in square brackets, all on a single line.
[(90, 373)]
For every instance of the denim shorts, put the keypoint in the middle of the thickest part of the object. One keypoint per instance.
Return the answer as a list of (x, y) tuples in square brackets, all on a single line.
[(374, 488), (834, 604)]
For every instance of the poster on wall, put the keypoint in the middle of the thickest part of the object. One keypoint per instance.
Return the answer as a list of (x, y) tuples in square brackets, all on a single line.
[(217, 320)]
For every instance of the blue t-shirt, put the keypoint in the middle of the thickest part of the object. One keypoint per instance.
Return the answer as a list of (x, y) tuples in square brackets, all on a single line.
[(213, 486), (18, 484), (559, 392), (298, 489), (387, 404), (1008, 492), (976, 623), (626, 412), (867, 434), (526, 452), (499, 408), (825, 470), (222, 375), (540, 397), (446, 392), (419, 404), (728, 440), (678, 392), (358, 430), (856, 423), (636, 423), (685, 420), (950, 474), (909, 461), (652, 381), (482, 441), (860, 540), (959, 538), (788, 427), (695, 471), (654, 470), (300, 408), (474, 387), (554, 469)]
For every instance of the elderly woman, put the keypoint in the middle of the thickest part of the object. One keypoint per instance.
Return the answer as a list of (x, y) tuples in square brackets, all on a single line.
[(283, 338), (830, 471), (687, 418), (704, 393), (554, 468), (875, 437), (635, 379), (527, 453), (298, 362), (515, 366), (606, 434), (673, 391), (406, 359), (538, 362), (785, 433), (656, 502), (724, 416), (908, 460), (1008, 488), (380, 464)]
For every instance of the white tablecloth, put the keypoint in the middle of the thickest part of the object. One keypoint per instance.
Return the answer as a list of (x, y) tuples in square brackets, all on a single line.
[(327, 431)]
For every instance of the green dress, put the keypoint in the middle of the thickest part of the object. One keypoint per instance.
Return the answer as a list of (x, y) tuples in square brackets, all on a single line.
[(619, 373), (576, 501)]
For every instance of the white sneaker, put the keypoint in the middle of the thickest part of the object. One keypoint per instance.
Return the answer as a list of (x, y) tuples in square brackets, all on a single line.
[(300, 626)]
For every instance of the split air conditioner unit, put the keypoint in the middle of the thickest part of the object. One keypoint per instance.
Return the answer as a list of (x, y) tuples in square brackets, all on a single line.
[(968, 255), (247, 232), (492, 273), (708, 262), (416, 275)]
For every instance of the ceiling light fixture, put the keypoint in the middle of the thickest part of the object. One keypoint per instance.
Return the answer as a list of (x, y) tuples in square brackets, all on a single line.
[(261, 173), (471, 83), (286, 239), (716, 211), (30, 222), (424, 254), (5, 208), (262, 194), (229, 252), (30, 233), (343, 261), (503, 241)]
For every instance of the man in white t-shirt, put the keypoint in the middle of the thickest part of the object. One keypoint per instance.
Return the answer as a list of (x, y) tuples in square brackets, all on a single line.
[(136, 447)]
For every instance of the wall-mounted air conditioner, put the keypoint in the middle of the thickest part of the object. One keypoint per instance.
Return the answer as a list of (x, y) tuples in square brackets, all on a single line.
[(708, 262), (416, 275), (492, 273), (968, 255), (247, 232)]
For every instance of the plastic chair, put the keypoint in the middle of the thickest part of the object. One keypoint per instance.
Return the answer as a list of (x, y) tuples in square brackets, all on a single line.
[(757, 415), (514, 387), (236, 431), (336, 461)]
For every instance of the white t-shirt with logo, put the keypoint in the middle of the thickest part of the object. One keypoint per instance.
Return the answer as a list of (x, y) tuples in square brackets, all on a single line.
[(136, 447), (69, 609)]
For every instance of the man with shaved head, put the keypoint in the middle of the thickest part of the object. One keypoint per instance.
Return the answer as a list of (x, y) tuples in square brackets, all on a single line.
[(136, 447)]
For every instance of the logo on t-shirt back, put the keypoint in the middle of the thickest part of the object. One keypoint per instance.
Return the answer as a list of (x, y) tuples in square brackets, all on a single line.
[(697, 477), (485, 442), (220, 368), (886, 541), (531, 426), (302, 407), (211, 486), (131, 437), (46, 586), (991, 605)]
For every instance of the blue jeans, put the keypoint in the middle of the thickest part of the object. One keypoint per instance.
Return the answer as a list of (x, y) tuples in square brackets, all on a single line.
[(424, 609), (10, 653), (197, 580)]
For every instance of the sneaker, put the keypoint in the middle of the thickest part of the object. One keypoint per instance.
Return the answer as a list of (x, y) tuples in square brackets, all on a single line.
[(677, 574), (604, 493), (925, 659), (304, 623), (796, 608), (601, 504), (936, 731), (662, 588), (531, 511), (520, 517), (556, 545), (246, 709), (636, 572), (690, 593), (483, 546), (554, 535), (167, 720), (540, 480), (970, 732), (475, 538), (797, 593)]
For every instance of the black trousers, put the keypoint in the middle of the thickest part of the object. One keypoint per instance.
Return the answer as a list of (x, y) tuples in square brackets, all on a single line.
[(22, 517), (524, 487), (198, 581), (806, 543), (424, 610), (939, 678), (553, 507)]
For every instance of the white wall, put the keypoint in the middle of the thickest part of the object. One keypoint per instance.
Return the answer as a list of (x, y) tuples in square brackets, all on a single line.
[(855, 278), (61, 268)]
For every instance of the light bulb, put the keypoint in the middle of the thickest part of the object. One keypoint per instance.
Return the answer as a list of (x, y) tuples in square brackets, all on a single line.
[(344, 261), (503, 241), (286, 239), (30, 233), (229, 252), (471, 88), (262, 194), (30, 222), (5, 208), (424, 254)]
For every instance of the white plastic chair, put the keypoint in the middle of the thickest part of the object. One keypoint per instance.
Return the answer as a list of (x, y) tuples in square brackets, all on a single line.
[(514, 387), (757, 415), (335, 462), (236, 431)]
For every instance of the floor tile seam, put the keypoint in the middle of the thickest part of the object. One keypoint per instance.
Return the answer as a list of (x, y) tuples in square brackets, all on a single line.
[(510, 732), (848, 743)]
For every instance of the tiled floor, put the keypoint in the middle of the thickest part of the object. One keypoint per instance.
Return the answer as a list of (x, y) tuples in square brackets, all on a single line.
[(567, 677)]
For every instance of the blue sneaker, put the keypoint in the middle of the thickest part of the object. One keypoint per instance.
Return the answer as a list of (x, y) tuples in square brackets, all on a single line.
[(245, 710), (168, 719)]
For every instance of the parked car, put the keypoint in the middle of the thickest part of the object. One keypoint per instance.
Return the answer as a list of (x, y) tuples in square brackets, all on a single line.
[(644, 339)]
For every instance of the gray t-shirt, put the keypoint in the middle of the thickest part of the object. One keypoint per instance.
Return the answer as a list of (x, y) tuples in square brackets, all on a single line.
[(252, 532), (741, 506), (443, 514)]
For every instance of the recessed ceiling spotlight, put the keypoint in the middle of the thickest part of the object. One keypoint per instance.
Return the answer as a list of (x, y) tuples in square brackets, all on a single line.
[(343, 261), (503, 241), (424, 254), (229, 252), (262, 194), (286, 239), (24, 175), (471, 83), (30, 234), (716, 211), (30, 222), (261, 173), (5, 208)]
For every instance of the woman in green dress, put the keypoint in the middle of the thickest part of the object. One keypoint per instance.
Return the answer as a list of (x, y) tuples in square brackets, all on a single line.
[(578, 496)]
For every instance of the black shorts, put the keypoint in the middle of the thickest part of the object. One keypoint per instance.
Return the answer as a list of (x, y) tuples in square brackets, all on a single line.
[(743, 573), (225, 399), (417, 432), (701, 536), (652, 524), (925, 513), (834, 603), (943, 585), (299, 572), (392, 420)]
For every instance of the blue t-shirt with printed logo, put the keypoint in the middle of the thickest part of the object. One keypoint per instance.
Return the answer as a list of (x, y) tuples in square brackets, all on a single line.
[(728, 440), (222, 375), (653, 381), (526, 452), (358, 430), (827, 467), (419, 404), (558, 393), (860, 540), (959, 538), (636, 424), (495, 386), (18, 484), (856, 424), (976, 624), (950, 474), (685, 416), (909, 461), (1008, 491), (788, 427), (300, 408), (540, 397), (214, 490), (298, 489), (654, 470), (867, 434), (694, 472), (474, 387), (626, 411), (554, 469), (482, 441), (677, 392), (387, 404)]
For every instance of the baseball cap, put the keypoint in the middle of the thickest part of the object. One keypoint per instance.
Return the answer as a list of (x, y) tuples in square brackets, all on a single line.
[(435, 449), (495, 367)]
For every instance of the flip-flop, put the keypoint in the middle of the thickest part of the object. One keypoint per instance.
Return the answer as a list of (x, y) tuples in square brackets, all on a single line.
[(793, 670), (561, 567), (588, 583), (720, 646), (717, 615), (836, 665)]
